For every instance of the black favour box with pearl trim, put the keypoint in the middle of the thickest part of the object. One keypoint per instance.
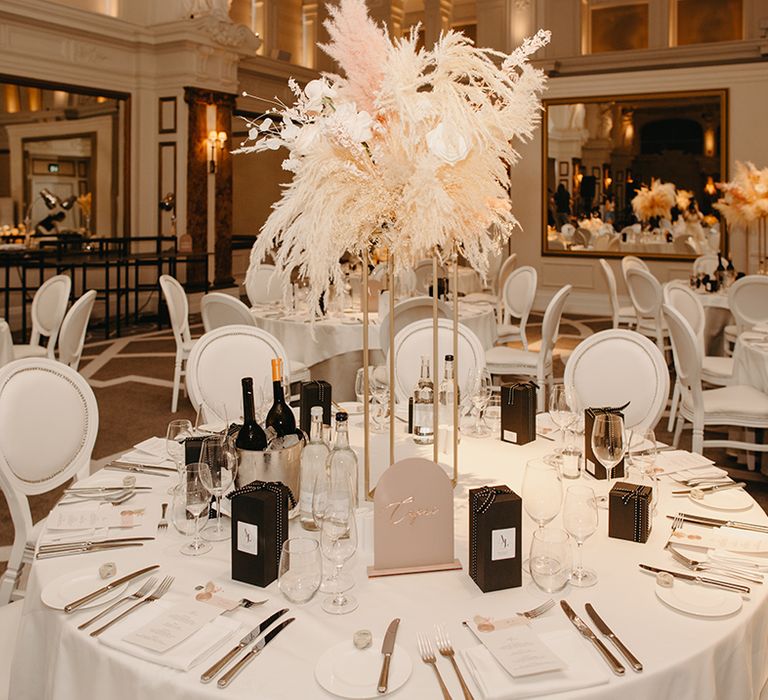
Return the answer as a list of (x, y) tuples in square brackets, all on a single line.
[(629, 512), (314, 393)]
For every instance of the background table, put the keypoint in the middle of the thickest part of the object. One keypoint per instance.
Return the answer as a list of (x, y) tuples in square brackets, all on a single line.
[(750, 360), (684, 657)]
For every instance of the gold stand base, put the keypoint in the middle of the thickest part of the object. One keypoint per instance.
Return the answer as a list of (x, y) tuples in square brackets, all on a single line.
[(373, 572)]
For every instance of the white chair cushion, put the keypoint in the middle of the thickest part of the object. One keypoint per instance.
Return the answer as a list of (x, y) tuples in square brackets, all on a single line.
[(508, 329), (649, 326), (481, 296), (731, 332), (22, 351), (627, 312), (739, 401), (717, 366), (10, 619), (502, 356)]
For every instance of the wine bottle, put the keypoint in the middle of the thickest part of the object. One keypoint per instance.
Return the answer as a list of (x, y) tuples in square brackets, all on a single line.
[(423, 406), (313, 459), (280, 417), (250, 437), (720, 272), (342, 461)]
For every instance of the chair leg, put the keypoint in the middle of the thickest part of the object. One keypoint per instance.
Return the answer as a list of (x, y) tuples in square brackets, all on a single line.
[(176, 384), (673, 407), (524, 339), (678, 431), (11, 574), (698, 440)]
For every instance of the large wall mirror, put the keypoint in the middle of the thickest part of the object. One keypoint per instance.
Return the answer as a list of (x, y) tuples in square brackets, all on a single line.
[(600, 152), (63, 159)]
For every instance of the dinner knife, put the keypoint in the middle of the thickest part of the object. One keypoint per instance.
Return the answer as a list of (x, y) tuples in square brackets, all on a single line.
[(118, 463), (736, 587), (104, 489), (608, 632), (387, 647), (226, 679), (75, 604), (209, 675), (85, 549), (580, 625), (53, 546), (717, 522), (712, 489), (136, 469)]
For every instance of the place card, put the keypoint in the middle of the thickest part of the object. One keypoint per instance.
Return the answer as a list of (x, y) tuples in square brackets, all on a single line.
[(672, 461), (172, 627), (517, 648), (76, 519)]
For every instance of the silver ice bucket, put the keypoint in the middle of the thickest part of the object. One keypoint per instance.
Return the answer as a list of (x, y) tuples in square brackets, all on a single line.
[(272, 465)]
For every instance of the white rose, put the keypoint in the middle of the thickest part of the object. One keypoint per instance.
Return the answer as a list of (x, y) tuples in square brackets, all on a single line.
[(357, 125), (316, 91), (305, 138), (448, 145)]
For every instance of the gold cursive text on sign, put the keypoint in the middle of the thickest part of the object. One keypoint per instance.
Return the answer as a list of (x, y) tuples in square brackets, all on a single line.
[(399, 514)]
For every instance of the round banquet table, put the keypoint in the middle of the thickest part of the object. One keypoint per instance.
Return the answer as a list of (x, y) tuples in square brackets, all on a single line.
[(684, 657), (717, 315), (750, 360)]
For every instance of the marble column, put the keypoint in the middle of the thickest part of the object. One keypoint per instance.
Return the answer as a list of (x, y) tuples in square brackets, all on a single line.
[(389, 12), (437, 18)]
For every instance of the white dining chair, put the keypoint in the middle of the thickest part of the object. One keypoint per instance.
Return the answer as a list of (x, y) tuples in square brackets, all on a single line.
[(262, 285), (517, 297), (409, 311), (218, 309), (735, 405), (748, 302), (74, 328), (620, 315), (415, 341), (619, 366), (38, 392), (632, 262), (502, 360), (715, 370), (494, 295), (48, 308), (423, 271), (6, 343), (221, 358), (178, 312), (705, 264), (647, 297)]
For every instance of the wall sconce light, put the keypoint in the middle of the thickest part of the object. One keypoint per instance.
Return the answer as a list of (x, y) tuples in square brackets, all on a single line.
[(710, 188), (168, 203), (215, 143)]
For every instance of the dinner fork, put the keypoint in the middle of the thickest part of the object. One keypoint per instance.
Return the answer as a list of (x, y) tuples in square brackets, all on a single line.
[(428, 657), (158, 593), (245, 603), (695, 565), (163, 524), (148, 585), (537, 611), (677, 523), (445, 648)]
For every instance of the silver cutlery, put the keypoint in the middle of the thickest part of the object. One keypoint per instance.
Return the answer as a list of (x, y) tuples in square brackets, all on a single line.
[(608, 632), (538, 610), (85, 549), (104, 489), (710, 489), (445, 648), (469, 627), (163, 524), (211, 673), (428, 657), (55, 546), (227, 678), (702, 480), (721, 570), (725, 585), (146, 587), (245, 603), (580, 625), (137, 469), (158, 593), (717, 522), (387, 647), (103, 499), (75, 604), (677, 523), (130, 465)]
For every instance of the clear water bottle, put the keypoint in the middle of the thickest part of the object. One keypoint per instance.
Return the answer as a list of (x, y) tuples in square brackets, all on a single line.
[(423, 406), (342, 459), (313, 459), (447, 398)]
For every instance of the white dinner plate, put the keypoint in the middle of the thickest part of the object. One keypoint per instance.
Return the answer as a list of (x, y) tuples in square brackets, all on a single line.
[(72, 586), (352, 408), (349, 672), (702, 601), (731, 499)]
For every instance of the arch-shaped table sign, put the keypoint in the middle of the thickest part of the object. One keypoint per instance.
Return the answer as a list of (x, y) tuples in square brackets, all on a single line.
[(413, 520)]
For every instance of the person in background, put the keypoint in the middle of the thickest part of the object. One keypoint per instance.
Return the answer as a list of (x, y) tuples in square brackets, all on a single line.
[(562, 206), (610, 210)]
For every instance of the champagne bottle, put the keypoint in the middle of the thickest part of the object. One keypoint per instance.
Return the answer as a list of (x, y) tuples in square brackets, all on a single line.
[(250, 437), (423, 406), (280, 417), (313, 459)]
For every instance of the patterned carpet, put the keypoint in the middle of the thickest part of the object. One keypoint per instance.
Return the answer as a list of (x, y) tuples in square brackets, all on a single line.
[(132, 379)]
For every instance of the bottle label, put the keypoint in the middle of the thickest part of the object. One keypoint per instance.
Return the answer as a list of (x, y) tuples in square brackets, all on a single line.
[(422, 416)]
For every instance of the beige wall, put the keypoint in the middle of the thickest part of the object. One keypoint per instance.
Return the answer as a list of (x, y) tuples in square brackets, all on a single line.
[(748, 105)]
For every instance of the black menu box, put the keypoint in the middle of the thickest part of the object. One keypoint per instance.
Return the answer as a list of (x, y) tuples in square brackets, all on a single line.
[(518, 412), (315, 393), (590, 463), (259, 528), (629, 512), (495, 538), (192, 448)]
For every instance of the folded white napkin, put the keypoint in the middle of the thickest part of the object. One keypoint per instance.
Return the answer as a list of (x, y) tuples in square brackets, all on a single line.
[(583, 669), (722, 556), (184, 655), (141, 457), (673, 461), (154, 446)]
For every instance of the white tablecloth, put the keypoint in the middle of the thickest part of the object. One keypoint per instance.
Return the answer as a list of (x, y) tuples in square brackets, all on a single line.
[(750, 360), (685, 658)]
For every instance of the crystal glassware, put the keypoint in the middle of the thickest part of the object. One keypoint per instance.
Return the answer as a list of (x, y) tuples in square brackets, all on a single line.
[(542, 491), (380, 395), (480, 394), (608, 443), (492, 415), (190, 501), (550, 560), (301, 569), (560, 410), (175, 435), (219, 459), (580, 521), (642, 451)]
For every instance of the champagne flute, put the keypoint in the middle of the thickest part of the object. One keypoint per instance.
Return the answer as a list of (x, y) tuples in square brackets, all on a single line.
[(338, 542), (190, 501), (608, 443), (642, 451), (480, 395), (542, 492), (219, 459), (175, 435), (560, 410), (580, 520)]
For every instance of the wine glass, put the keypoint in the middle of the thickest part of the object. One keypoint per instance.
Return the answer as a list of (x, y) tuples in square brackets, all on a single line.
[(338, 542), (380, 394), (560, 410), (580, 520), (175, 435), (190, 501), (480, 394), (550, 560), (301, 568), (642, 451), (219, 459), (542, 491), (608, 443), (492, 415)]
